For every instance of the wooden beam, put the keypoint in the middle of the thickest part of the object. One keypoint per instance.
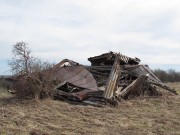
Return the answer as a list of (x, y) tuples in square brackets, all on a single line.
[(113, 79)]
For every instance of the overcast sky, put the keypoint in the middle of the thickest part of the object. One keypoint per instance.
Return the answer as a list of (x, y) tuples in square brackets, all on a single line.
[(78, 29)]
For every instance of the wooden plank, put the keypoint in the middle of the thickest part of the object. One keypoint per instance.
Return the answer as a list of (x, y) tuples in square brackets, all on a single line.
[(113, 79)]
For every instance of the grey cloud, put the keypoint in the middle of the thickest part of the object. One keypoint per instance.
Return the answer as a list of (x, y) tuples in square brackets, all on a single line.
[(79, 29)]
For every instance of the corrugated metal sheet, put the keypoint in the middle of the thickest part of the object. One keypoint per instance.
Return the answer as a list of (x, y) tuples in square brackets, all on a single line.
[(76, 75)]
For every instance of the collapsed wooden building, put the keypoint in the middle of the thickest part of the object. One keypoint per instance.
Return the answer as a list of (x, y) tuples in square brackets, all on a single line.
[(110, 78)]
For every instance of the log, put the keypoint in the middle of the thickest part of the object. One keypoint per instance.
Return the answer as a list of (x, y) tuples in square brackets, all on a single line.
[(135, 88)]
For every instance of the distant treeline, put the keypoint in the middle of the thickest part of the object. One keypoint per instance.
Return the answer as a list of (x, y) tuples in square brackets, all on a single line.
[(168, 76)]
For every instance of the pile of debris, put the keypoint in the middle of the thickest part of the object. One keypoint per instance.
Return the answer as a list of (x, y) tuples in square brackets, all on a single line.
[(110, 78)]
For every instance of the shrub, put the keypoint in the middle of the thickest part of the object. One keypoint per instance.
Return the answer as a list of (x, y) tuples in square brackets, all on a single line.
[(31, 74)]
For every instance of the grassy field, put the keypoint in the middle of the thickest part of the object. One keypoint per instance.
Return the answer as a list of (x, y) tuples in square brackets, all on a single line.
[(141, 116)]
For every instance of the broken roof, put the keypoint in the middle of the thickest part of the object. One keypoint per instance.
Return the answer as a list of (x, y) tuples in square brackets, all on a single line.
[(108, 59), (72, 73)]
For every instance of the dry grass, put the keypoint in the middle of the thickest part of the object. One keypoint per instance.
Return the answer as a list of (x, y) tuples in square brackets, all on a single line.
[(138, 116)]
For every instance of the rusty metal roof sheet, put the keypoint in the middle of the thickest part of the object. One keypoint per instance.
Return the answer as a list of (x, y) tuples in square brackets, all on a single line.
[(76, 75)]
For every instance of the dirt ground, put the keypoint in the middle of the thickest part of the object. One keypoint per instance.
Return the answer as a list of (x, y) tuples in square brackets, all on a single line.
[(140, 116)]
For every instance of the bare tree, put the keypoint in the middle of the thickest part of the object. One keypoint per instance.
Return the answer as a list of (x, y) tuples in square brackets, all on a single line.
[(32, 73), (22, 61)]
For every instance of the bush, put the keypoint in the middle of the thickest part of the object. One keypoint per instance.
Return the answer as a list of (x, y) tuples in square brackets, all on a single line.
[(31, 73)]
